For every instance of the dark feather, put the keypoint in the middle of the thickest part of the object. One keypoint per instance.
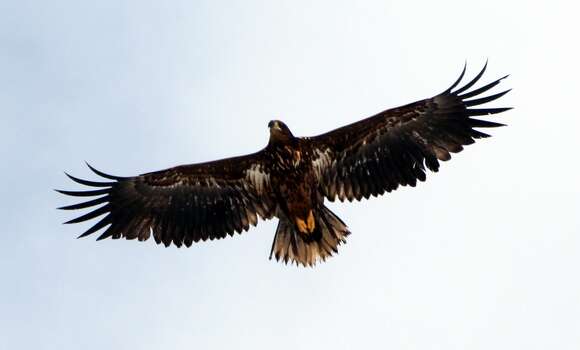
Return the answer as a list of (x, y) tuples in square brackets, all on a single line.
[(408, 139), (84, 193), (483, 100), (485, 111), (99, 225), (476, 123), (93, 214), (473, 81), (90, 183), (482, 89), (180, 205), (106, 176), (86, 204), (458, 80), (109, 232)]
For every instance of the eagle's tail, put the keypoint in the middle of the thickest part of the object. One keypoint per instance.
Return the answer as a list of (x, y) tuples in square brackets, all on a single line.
[(290, 245)]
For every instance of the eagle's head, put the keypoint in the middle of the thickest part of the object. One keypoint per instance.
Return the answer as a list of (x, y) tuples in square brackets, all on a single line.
[(279, 132)]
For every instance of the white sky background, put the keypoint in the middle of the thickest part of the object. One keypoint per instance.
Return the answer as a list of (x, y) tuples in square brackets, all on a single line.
[(484, 255)]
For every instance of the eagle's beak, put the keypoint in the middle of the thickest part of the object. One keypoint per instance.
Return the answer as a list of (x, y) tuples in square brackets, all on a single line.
[(275, 125)]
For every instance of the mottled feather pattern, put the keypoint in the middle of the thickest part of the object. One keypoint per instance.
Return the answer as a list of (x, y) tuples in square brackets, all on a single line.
[(394, 147), (259, 177), (178, 205), (291, 178)]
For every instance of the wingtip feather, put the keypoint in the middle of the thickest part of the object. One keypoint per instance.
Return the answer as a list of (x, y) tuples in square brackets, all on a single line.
[(104, 175), (458, 79), (89, 183), (486, 99), (473, 81)]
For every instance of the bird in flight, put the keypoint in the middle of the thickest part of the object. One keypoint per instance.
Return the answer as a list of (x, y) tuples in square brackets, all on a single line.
[(291, 178)]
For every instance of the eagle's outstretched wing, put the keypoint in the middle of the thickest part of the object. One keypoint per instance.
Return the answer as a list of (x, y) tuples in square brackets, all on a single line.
[(182, 205), (392, 148)]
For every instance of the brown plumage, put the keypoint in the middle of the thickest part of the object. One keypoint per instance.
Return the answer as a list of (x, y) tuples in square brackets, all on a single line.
[(290, 179)]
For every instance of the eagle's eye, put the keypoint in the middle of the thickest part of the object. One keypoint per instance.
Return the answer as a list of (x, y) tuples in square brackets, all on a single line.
[(271, 124)]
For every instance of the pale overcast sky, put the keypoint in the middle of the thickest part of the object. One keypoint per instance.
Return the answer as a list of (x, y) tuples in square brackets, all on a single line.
[(484, 255)]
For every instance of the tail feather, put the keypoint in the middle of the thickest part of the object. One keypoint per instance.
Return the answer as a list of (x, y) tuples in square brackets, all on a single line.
[(289, 245)]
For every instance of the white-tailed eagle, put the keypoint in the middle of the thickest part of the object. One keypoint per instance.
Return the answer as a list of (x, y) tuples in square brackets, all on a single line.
[(290, 178)]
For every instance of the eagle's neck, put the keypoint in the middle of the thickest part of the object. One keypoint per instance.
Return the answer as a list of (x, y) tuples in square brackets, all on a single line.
[(279, 139)]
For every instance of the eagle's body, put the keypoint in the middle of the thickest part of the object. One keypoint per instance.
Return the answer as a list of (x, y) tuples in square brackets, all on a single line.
[(294, 181), (307, 229), (290, 179)]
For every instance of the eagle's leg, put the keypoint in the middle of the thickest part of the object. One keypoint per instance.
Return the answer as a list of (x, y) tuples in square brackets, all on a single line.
[(307, 225)]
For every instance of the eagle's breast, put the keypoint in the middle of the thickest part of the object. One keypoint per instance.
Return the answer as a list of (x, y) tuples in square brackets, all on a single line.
[(295, 179)]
